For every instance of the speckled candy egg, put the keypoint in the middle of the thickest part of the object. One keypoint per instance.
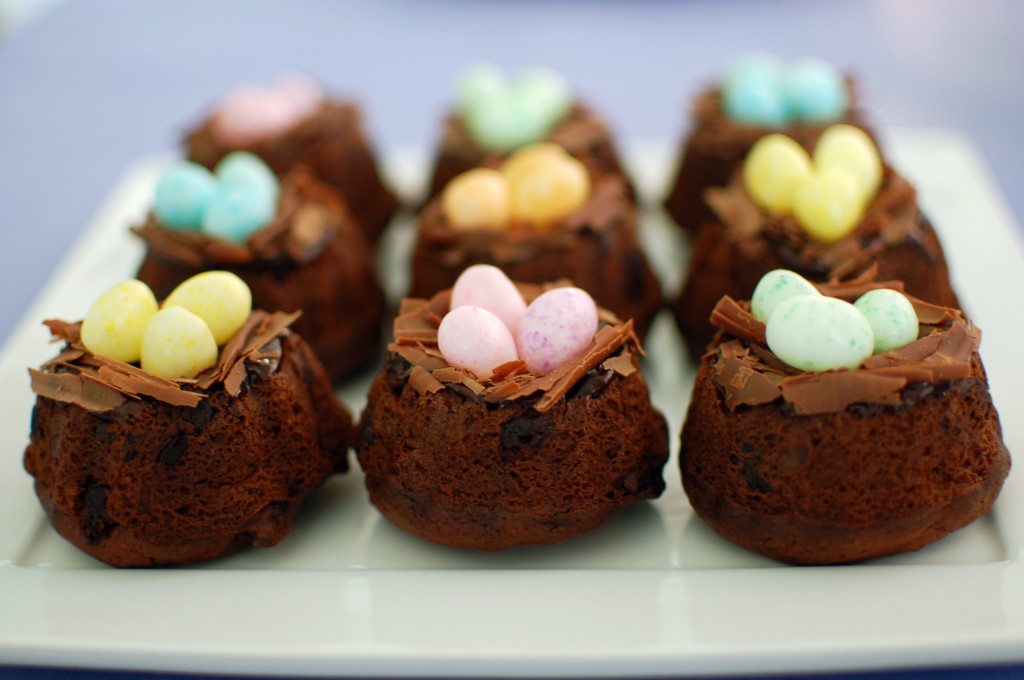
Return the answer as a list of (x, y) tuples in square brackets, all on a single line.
[(891, 316), (776, 287), (476, 340), (486, 286), (819, 334), (558, 326)]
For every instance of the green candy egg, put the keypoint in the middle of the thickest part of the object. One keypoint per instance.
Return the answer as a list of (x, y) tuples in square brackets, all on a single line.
[(891, 316)]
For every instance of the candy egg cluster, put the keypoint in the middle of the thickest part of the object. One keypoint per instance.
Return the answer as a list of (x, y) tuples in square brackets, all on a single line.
[(761, 89), (503, 113), (177, 340), (816, 333), (536, 186), (827, 194), (231, 203), (253, 112), (490, 324)]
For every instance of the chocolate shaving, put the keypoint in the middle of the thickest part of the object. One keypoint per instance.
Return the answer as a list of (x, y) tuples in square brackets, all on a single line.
[(624, 364), (735, 320), (98, 383), (415, 330), (812, 393), (749, 373)]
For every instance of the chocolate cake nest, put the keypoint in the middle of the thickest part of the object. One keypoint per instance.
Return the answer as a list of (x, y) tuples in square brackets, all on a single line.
[(842, 466), (716, 145), (311, 257), (136, 470), (582, 134), (596, 247), (516, 459), (331, 143), (893, 239)]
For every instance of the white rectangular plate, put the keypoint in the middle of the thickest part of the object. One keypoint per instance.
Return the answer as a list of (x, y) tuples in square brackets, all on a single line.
[(655, 592)]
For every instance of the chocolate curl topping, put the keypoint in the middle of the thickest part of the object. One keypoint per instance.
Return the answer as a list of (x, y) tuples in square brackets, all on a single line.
[(750, 374), (615, 347), (98, 383)]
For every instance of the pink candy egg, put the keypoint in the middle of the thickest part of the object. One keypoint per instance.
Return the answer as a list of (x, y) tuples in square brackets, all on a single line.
[(486, 286), (558, 326), (252, 112), (476, 340)]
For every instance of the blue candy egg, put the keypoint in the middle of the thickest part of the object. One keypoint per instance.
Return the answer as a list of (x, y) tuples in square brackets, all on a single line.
[(752, 100), (241, 169), (236, 213), (182, 194), (816, 91)]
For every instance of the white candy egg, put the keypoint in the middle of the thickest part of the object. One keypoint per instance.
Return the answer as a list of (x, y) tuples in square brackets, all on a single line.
[(819, 334)]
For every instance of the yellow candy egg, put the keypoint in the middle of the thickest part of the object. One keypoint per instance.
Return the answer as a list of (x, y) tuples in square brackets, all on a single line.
[(850, 148), (774, 168), (477, 199), (520, 160), (177, 344), (828, 204), (219, 298), (547, 188), (117, 320)]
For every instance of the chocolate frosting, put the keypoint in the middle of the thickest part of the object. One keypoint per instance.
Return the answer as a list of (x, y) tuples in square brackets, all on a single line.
[(615, 348), (307, 218), (891, 218), (516, 243), (749, 374), (98, 383)]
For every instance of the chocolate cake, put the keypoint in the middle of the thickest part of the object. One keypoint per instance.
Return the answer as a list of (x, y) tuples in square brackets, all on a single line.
[(729, 257), (583, 134), (311, 257), (596, 247), (716, 145), (842, 466), (515, 459), (136, 470), (331, 143)]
